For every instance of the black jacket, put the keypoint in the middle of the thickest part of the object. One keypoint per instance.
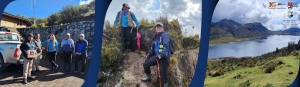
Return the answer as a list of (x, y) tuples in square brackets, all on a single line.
[(27, 45)]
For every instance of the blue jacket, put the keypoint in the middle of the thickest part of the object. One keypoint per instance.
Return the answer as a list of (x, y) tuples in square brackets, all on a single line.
[(124, 21), (27, 45), (67, 45), (81, 46), (155, 43), (50, 47)]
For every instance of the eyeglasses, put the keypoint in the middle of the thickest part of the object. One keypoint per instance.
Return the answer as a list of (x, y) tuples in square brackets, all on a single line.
[(159, 26)]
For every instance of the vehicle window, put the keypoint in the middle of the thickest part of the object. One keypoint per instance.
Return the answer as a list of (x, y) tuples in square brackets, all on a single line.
[(9, 37)]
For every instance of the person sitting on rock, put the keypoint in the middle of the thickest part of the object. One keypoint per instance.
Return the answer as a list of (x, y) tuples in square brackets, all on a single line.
[(125, 18), (67, 48), (159, 51), (81, 53)]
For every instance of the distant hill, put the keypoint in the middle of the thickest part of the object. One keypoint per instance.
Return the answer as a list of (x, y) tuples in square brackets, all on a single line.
[(217, 32), (228, 25), (229, 28), (251, 30), (290, 31)]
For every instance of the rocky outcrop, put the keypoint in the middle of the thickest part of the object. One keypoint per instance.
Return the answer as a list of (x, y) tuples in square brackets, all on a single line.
[(60, 31)]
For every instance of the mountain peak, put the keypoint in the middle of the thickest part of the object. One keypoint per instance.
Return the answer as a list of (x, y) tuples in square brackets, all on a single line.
[(228, 24)]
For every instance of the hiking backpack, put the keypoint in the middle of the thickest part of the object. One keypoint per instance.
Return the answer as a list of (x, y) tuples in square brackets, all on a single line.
[(130, 19)]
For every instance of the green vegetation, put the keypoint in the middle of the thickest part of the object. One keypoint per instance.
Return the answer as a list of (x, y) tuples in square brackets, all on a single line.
[(278, 68), (227, 40), (191, 42)]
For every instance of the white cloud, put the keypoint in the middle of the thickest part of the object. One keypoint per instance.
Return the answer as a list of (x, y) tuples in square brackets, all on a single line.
[(82, 2), (248, 11), (188, 12)]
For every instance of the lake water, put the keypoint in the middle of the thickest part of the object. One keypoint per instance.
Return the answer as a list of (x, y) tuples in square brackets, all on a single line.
[(254, 47)]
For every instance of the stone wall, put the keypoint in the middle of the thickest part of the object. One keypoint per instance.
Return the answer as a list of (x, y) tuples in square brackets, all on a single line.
[(60, 31)]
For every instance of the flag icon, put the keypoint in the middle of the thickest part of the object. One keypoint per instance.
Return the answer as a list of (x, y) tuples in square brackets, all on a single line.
[(290, 4), (272, 5)]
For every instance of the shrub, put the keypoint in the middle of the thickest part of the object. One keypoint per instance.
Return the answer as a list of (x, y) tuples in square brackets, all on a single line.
[(270, 69), (246, 84), (218, 73), (173, 61), (191, 42)]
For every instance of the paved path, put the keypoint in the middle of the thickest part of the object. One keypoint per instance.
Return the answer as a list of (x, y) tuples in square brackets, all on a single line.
[(12, 77)]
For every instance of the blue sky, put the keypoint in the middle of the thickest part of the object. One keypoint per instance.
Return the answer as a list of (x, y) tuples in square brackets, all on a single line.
[(43, 7)]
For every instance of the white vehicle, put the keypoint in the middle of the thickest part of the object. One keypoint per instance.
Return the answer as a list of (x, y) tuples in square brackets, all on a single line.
[(10, 52)]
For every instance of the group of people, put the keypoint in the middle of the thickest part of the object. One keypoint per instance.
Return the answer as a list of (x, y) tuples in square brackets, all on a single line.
[(52, 48), (160, 43)]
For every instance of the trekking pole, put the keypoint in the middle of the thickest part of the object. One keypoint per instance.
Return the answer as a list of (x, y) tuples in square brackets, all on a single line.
[(158, 72), (131, 30)]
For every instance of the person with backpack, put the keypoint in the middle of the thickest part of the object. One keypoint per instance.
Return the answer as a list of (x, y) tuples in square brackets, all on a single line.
[(36, 61), (67, 49), (160, 50), (127, 21), (28, 48), (52, 50), (81, 53)]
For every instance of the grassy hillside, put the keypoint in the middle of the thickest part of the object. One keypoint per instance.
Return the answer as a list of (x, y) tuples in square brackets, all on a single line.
[(256, 71), (256, 76)]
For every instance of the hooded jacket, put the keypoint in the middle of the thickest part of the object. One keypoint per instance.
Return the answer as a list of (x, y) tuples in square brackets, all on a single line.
[(165, 41), (81, 46)]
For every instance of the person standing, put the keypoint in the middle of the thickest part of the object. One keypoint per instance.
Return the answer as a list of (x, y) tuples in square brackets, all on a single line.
[(67, 48), (81, 53), (36, 61), (52, 49), (28, 47), (128, 22), (159, 51)]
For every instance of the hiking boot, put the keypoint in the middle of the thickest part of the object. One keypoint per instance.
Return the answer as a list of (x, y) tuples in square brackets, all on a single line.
[(55, 68), (30, 77), (148, 78), (38, 70), (166, 85), (25, 81)]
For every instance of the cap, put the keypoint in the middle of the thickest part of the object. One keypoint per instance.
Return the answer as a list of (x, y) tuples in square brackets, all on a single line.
[(159, 23), (30, 35), (68, 34), (81, 35), (126, 5)]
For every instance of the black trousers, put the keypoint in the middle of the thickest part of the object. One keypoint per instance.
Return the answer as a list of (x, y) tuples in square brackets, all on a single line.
[(67, 56), (128, 39), (81, 58), (52, 59), (67, 60), (164, 63)]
